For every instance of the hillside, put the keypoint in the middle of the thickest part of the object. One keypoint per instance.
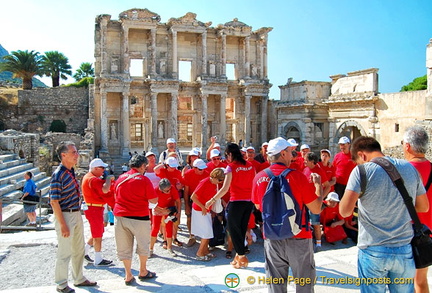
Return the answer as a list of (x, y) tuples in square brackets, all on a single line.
[(6, 77)]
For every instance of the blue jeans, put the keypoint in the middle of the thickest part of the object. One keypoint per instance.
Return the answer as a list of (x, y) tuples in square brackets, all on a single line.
[(386, 266)]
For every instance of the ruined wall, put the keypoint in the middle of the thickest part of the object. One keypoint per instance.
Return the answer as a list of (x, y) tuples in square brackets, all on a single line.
[(37, 108), (26, 145)]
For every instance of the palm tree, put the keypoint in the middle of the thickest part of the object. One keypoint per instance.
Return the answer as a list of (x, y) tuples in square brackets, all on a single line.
[(24, 65), (56, 65), (85, 70)]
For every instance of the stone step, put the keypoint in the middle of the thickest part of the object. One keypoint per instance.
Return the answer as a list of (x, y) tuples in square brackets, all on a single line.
[(18, 176), (8, 157), (15, 169), (11, 163)]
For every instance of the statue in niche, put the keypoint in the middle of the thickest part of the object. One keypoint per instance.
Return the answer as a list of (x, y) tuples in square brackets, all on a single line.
[(113, 131), (254, 70), (160, 130), (212, 69), (162, 67)]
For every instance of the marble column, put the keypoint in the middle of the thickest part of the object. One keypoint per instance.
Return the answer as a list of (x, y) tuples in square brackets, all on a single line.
[(264, 103), (125, 124), (103, 45), (246, 57), (153, 52), (104, 121), (204, 120), (204, 53), (247, 127), (174, 54), (173, 118), (125, 49), (224, 57), (261, 54), (222, 125), (154, 117)]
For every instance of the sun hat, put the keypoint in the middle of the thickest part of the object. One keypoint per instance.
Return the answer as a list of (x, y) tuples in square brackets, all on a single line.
[(199, 164), (344, 140), (327, 151), (171, 140), (172, 162), (304, 146), (214, 153), (292, 141), (333, 196), (97, 163), (277, 145)]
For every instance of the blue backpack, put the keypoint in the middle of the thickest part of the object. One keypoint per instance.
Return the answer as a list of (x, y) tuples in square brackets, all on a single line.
[(282, 216)]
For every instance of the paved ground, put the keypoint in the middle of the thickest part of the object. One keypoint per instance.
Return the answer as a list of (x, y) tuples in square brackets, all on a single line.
[(27, 265)]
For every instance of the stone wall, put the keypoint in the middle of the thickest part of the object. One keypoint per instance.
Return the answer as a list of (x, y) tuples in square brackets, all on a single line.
[(26, 145), (37, 108)]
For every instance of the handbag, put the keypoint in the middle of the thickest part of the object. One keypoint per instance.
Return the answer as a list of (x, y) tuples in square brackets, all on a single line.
[(334, 234), (421, 242)]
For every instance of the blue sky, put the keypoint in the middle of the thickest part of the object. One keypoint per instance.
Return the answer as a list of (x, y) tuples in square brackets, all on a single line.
[(311, 39)]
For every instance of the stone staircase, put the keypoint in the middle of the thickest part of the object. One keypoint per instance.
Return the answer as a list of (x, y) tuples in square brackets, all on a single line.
[(12, 170)]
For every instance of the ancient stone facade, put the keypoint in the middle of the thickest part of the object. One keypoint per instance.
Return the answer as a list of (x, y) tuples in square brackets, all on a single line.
[(318, 113), (183, 79)]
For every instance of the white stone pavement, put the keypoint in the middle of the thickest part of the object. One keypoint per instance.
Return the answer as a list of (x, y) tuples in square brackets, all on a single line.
[(336, 265)]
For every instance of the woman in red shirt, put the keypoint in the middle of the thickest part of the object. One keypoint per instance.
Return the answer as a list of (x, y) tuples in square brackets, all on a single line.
[(239, 176)]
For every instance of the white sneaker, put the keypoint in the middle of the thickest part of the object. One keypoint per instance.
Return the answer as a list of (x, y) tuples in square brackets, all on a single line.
[(172, 253)]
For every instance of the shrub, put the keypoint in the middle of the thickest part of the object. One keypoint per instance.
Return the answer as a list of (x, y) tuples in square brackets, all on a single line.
[(84, 82)]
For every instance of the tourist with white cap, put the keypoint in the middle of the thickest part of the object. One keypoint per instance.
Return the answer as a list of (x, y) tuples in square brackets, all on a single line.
[(213, 145), (250, 157), (215, 160), (190, 158), (343, 164), (328, 168), (171, 147), (330, 217), (191, 180), (296, 252), (150, 173), (96, 194)]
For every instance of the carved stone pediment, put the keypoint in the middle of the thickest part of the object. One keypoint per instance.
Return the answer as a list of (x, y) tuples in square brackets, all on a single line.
[(235, 26), (144, 15), (189, 19)]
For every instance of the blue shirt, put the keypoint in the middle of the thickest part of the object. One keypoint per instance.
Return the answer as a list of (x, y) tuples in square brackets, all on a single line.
[(64, 188), (30, 187)]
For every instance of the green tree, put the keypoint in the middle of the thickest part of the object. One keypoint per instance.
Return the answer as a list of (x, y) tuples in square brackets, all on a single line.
[(56, 65), (418, 84), (24, 65), (85, 70)]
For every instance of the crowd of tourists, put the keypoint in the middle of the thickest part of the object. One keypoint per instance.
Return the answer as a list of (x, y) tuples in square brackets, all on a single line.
[(222, 193)]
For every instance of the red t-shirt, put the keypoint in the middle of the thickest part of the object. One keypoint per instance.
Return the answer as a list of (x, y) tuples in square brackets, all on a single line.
[(329, 215), (256, 165), (241, 183), (424, 168), (264, 165), (204, 191), (166, 200), (173, 177), (211, 166), (298, 164), (330, 172), (317, 169), (133, 195), (302, 191), (92, 189), (192, 179), (344, 165)]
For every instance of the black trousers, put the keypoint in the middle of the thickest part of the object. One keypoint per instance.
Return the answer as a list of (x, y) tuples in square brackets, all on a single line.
[(238, 218)]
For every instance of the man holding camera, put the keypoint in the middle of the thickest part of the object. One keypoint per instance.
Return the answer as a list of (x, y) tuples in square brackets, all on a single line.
[(96, 193)]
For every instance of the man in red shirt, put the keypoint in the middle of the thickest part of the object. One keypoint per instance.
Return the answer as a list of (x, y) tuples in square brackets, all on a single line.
[(344, 165), (216, 161), (296, 252), (328, 167), (250, 155)]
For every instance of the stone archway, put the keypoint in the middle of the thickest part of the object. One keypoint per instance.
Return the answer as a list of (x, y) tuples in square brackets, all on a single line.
[(350, 129), (292, 130)]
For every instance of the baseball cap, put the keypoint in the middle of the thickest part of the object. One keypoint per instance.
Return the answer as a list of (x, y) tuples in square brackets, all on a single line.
[(214, 153), (304, 146), (344, 140), (333, 196), (193, 152), (172, 162), (250, 148), (264, 144), (216, 145), (97, 163), (243, 149), (292, 141), (277, 145), (171, 140), (199, 164), (326, 150), (148, 154)]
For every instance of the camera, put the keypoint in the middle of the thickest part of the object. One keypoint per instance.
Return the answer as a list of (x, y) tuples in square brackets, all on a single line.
[(105, 175), (171, 216)]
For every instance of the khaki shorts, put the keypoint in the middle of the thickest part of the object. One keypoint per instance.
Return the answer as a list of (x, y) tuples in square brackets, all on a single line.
[(126, 230)]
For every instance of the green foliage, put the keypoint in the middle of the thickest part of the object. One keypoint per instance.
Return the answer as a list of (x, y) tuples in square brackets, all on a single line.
[(84, 82), (58, 126), (24, 65), (418, 84), (85, 70), (56, 65)]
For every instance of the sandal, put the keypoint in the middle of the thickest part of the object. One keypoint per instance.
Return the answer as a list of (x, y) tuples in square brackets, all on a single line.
[(203, 258), (164, 245), (178, 243), (130, 282), (228, 254), (211, 255), (242, 262), (150, 275)]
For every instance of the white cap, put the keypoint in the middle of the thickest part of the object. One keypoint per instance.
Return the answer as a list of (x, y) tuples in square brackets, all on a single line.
[(148, 154), (197, 149), (199, 164), (292, 141), (97, 163), (214, 153), (333, 196), (193, 152), (344, 140), (304, 146), (171, 140), (327, 151), (277, 145), (172, 162), (250, 148), (216, 145), (243, 149), (264, 144)]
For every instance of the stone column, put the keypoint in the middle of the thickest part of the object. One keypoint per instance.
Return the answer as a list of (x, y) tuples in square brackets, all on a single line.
[(154, 117), (173, 118), (247, 119), (224, 59), (125, 49), (246, 56), (261, 54), (125, 124), (222, 125), (264, 103), (174, 54), (153, 52), (264, 59), (204, 132), (204, 53), (103, 45), (104, 121)]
